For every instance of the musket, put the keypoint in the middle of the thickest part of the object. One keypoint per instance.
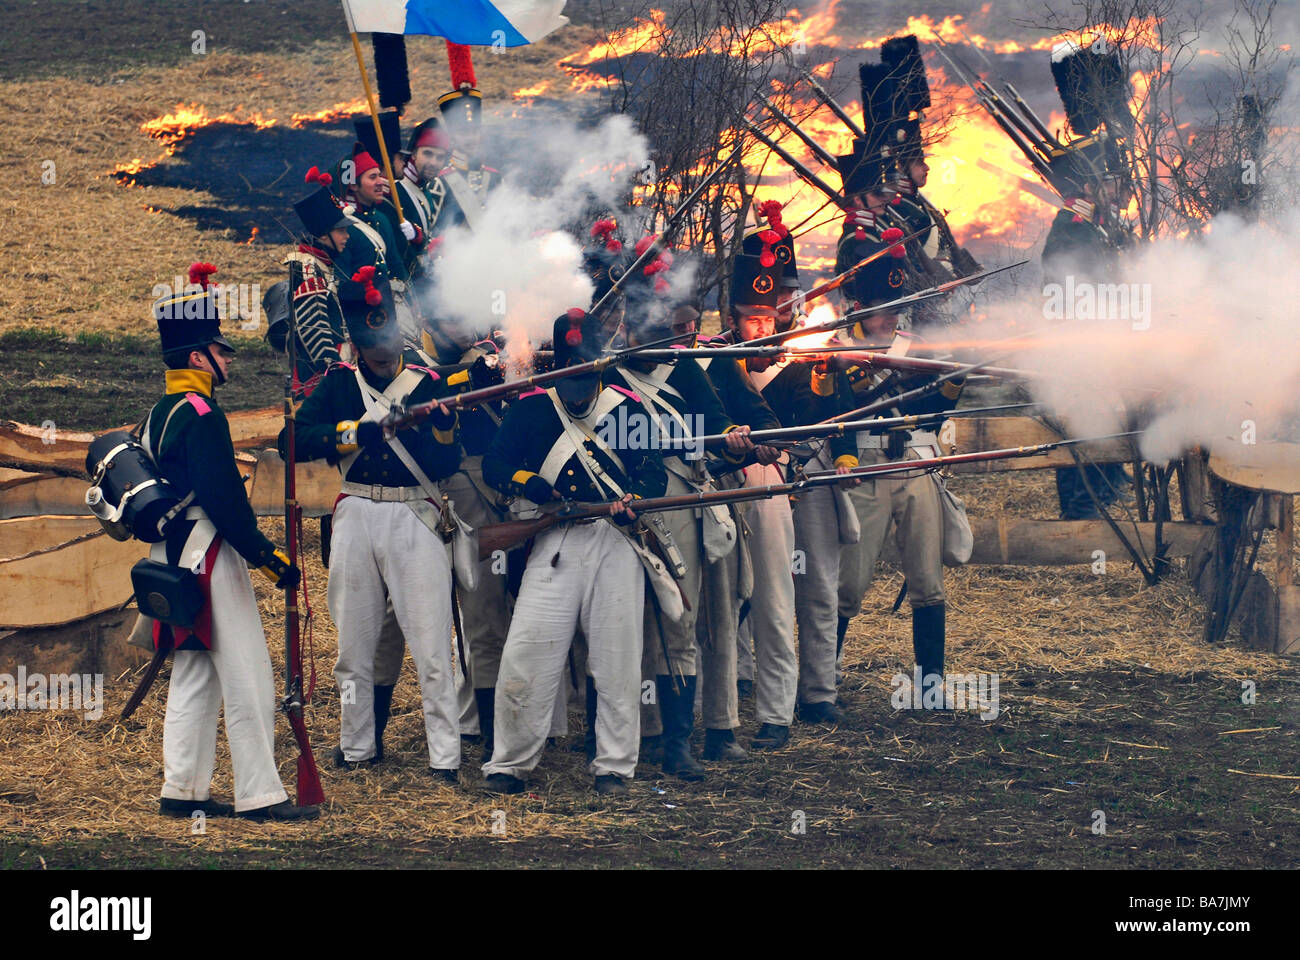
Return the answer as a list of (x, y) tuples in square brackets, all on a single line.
[(857, 315), (400, 417), (661, 241), (1037, 151), (834, 283), (828, 429), (822, 154), (309, 786), (1012, 92), (804, 173), (888, 361), (820, 93), (506, 536), (744, 350)]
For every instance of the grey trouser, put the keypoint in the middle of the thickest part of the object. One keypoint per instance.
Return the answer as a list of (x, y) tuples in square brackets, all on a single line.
[(816, 585), (912, 504)]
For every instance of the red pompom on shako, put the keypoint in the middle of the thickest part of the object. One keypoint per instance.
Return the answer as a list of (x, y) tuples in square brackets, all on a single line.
[(314, 175), (573, 337), (892, 235), (604, 229), (366, 276), (199, 273)]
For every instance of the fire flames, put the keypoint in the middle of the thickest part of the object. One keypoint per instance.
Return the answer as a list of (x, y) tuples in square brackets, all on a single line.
[(982, 205), (171, 129)]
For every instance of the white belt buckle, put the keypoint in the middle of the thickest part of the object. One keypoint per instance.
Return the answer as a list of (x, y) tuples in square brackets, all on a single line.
[(376, 491)]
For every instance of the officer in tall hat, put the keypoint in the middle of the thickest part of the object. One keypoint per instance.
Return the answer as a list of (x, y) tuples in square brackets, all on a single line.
[(317, 316), (467, 178), (1090, 173), (682, 401), (222, 661), (911, 506), (591, 574), (386, 545)]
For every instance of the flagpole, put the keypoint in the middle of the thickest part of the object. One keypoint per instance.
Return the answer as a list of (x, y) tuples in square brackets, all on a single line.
[(374, 111)]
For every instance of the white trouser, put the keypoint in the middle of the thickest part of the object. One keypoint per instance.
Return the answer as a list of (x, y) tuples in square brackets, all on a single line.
[(771, 610), (816, 591), (597, 584), (382, 551), (235, 673)]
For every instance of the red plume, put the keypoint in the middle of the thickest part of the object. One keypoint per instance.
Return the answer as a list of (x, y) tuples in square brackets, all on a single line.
[(643, 244), (575, 314), (770, 210), (462, 67), (199, 273)]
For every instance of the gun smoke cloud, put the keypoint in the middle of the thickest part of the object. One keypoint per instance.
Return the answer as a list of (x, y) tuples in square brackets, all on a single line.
[(1195, 335), (528, 228)]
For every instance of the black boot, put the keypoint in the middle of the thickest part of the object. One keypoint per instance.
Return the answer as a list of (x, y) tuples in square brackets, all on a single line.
[(928, 643), (589, 739), (721, 745), (839, 636), (383, 707), (677, 707), (486, 698)]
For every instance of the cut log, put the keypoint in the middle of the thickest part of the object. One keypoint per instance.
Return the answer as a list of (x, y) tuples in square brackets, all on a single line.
[(25, 446), (1008, 540), (971, 434), (65, 581), (1262, 466), (24, 494)]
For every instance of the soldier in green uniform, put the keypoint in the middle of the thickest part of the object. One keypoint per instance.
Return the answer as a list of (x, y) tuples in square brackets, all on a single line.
[(223, 660)]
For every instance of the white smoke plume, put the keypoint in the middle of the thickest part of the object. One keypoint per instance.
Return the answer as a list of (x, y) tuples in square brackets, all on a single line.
[(521, 269), (1198, 335)]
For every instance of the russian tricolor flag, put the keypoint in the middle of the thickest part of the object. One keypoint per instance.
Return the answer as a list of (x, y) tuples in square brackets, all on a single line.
[(486, 23)]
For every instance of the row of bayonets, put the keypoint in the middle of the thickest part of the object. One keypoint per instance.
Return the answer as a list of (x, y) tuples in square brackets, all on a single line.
[(1009, 111)]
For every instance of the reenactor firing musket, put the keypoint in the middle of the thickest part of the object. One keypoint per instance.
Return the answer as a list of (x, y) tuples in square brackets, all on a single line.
[(834, 283), (508, 535), (400, 418), (855, 316)]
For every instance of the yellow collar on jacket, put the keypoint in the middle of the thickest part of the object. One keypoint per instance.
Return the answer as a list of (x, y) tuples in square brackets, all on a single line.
[(189, 380)]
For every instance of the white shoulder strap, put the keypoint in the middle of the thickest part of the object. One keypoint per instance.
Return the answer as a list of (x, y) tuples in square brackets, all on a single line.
[(570, 443), (650, 386)]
